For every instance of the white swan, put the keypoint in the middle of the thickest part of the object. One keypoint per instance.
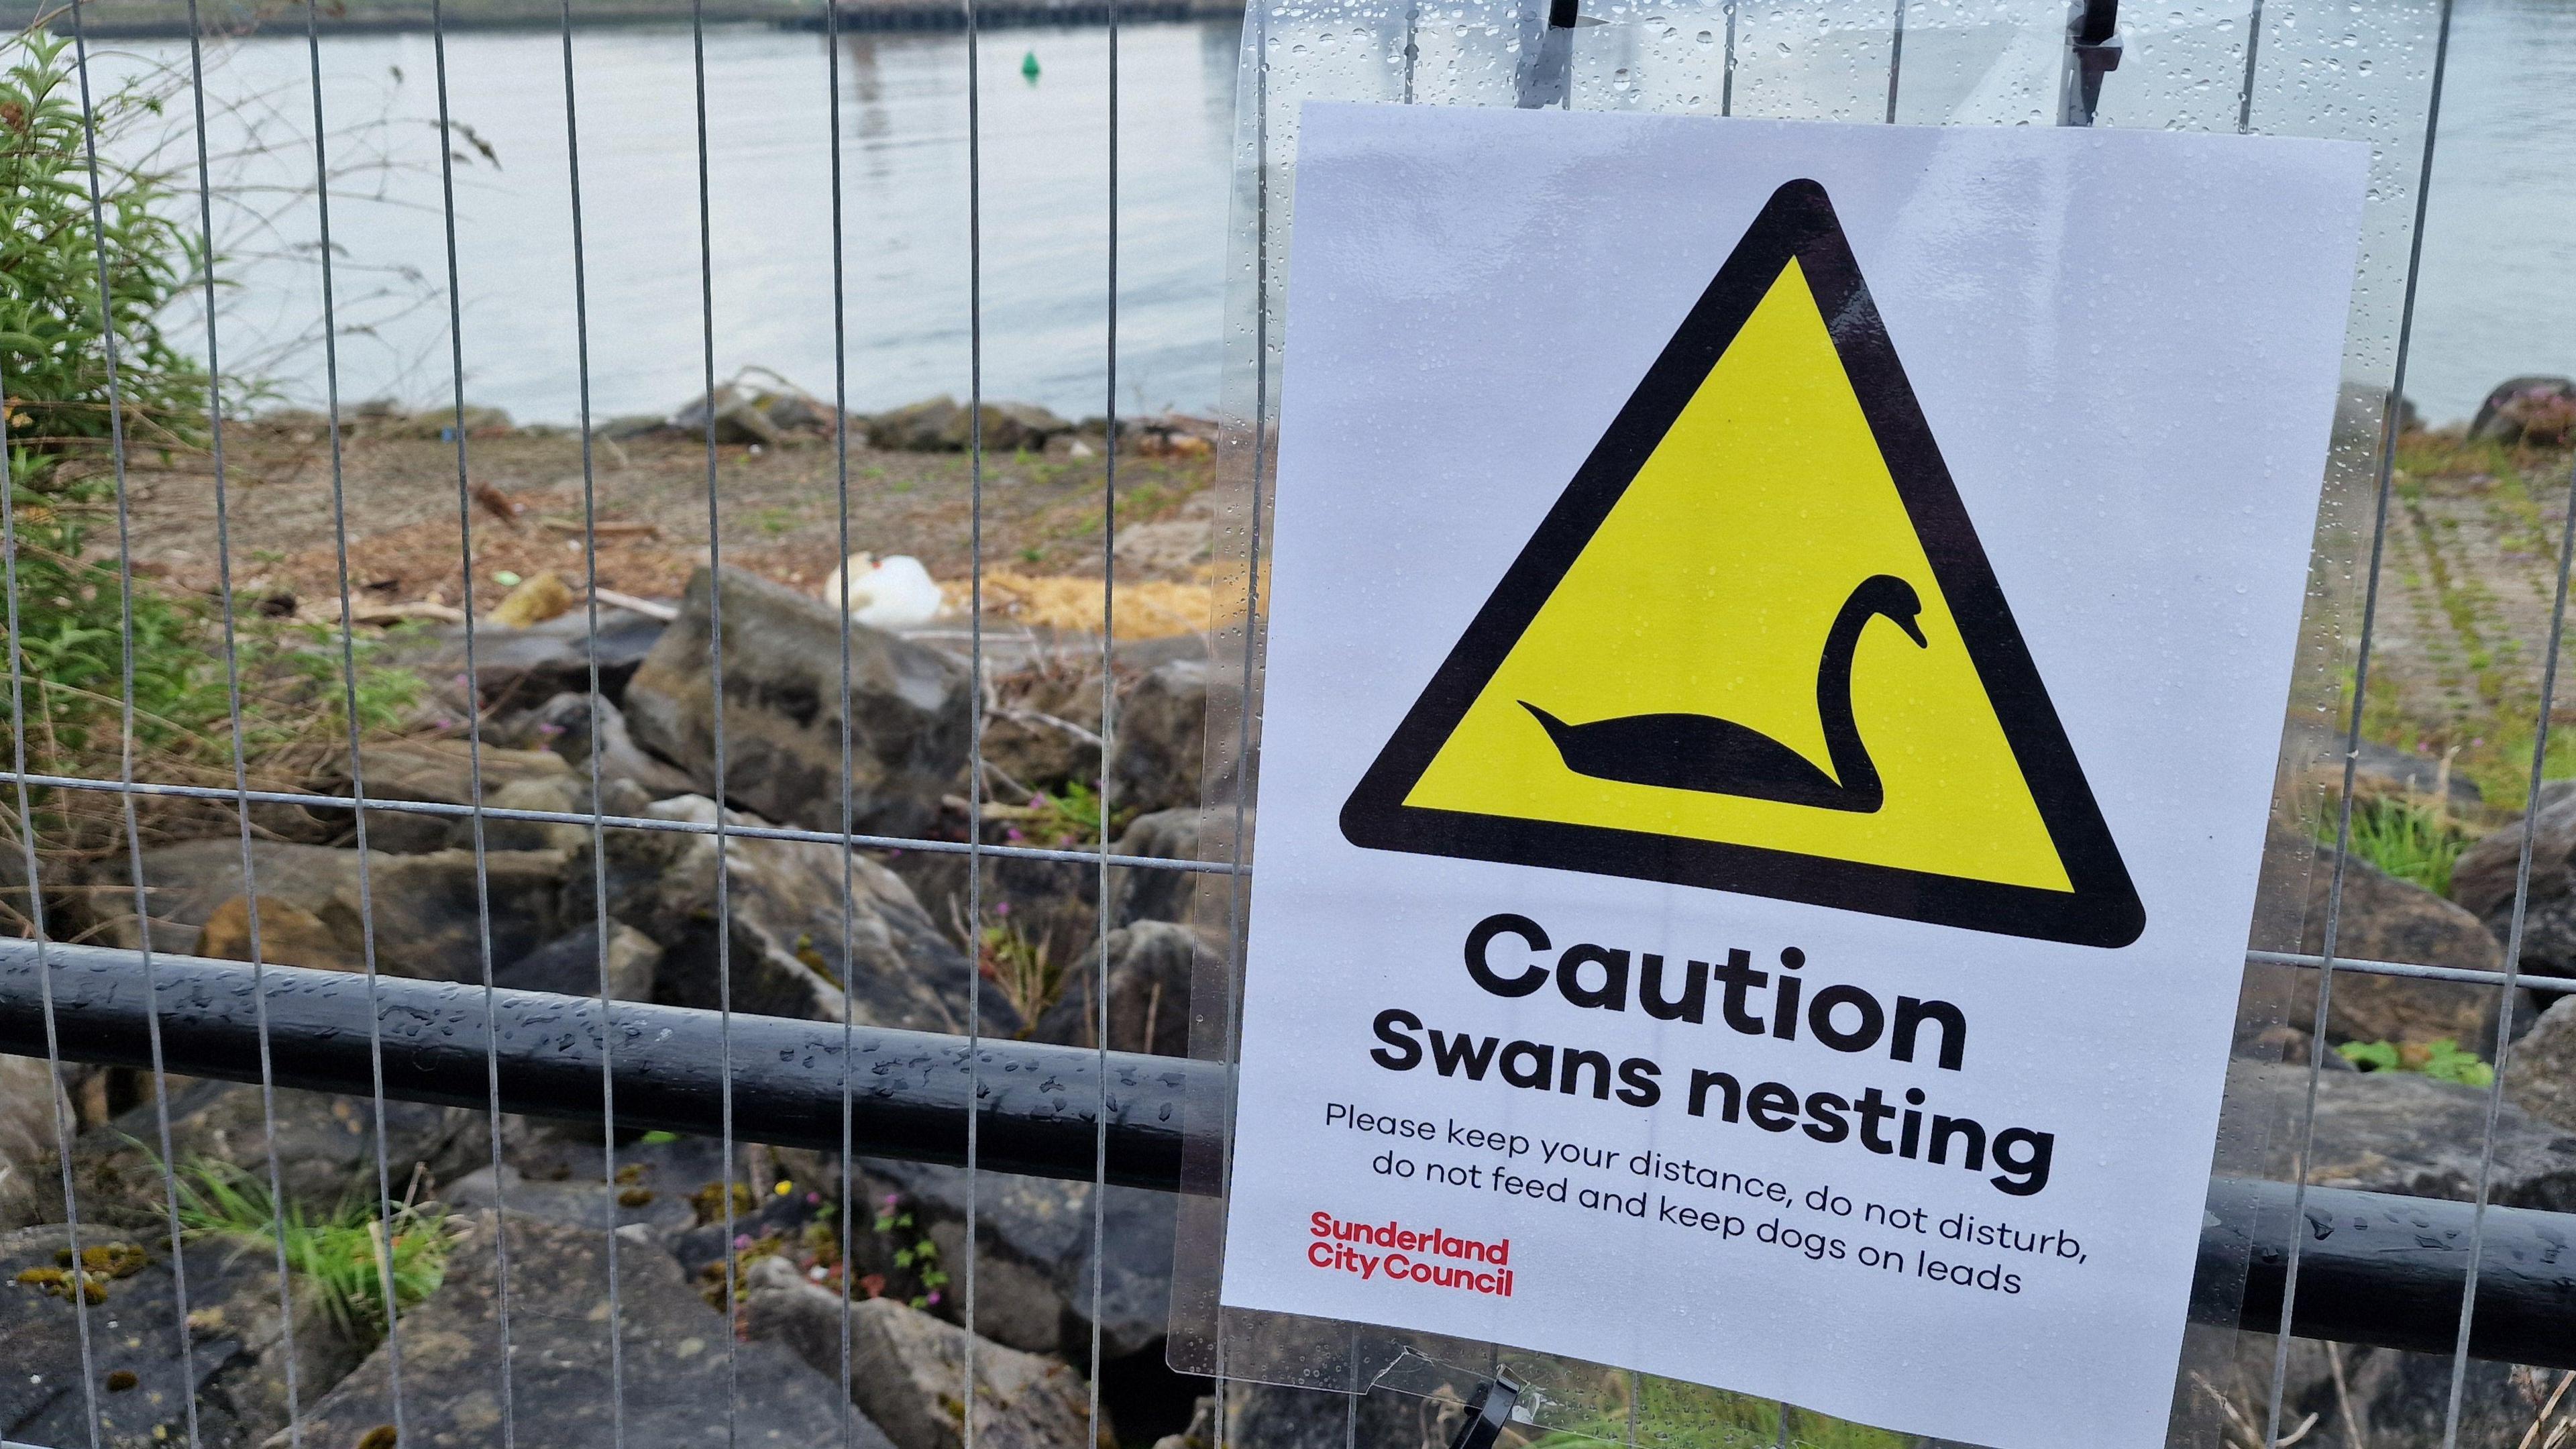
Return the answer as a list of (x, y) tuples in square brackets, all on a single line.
[(886, 593)]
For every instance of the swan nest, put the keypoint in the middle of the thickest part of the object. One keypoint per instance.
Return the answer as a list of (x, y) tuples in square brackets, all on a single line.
[(1157, 609)]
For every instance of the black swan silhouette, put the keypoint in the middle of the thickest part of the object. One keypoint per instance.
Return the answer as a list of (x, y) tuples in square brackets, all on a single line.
[(1720, 757)]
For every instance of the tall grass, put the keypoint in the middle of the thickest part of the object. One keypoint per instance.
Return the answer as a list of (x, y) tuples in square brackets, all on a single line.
[(2409, 840), (346, 1256), (1706, 1418)]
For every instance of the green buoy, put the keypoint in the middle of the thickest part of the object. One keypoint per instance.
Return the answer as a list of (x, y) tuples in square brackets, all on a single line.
[(1029, 67)]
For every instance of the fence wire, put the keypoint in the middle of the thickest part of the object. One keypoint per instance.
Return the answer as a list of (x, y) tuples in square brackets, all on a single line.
[(976, 851)]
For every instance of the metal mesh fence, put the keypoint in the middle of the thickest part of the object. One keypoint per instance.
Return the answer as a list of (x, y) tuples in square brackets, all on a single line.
[(713, 840)]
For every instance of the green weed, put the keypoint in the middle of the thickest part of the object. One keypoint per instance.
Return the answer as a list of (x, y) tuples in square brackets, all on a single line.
[(2411, 841), (914, 1252), (2444, 1060), (1023, 967), (346, 1256)]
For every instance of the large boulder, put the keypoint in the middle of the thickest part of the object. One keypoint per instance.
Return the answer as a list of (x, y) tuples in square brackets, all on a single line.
[(942, 425), (1161, 745), (907, 707), (593, 1205), (783, 901), (1142, 894), (2405, 1133), (2382, 771), (1042, 730), (1151, 966), (273, 931), (2540, 1073), (426, 909), (1033, 1259), (31, 1177), (2483, 880), (573, 965), (518, 668), (2540, 411), (580, 726), (908, 1370), (442, 772), (740, 415), (326, 1147), (2388, 919), (235, 1365), (684, 1381)]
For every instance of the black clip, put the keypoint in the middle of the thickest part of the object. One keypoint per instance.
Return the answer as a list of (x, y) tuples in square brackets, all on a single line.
[(1491, 1410), (1546, 73), (2092, 51)]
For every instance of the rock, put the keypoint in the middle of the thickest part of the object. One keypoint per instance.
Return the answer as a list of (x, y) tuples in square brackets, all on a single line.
[(326, 1147), (908, 1370), (2402, 1132), (578, 725), (288, 936), (1043, 729), (2540, 1074), (740, 417), (683, 1381), (31, 1180), (942, 425), (429, 912), (235, 1365), (2383, 770), (923, 427), (440, 423), (2388, 919), (2539, 411), (783, 898), (542, 596), (596, 1206), (1151, 965), (794, 412), (1033, 1255), (570, 966), (627, 426), (520, 668), (555, 797), (1161, 739), (427, 918), (907, 707), (1137, 894), (440, 772), (2482, 880), (443, 771)]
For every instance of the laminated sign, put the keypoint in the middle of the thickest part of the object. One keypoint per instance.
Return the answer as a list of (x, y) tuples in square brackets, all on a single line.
[(1779, 640)]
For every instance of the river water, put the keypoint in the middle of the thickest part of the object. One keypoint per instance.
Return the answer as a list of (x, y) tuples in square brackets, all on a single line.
[(2495, 301)]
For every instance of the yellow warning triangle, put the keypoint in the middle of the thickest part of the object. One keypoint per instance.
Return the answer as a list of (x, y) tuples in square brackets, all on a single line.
[(1756, 646)]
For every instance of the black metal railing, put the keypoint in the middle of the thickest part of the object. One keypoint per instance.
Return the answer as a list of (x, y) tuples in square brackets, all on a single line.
[(2375, 1268)]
